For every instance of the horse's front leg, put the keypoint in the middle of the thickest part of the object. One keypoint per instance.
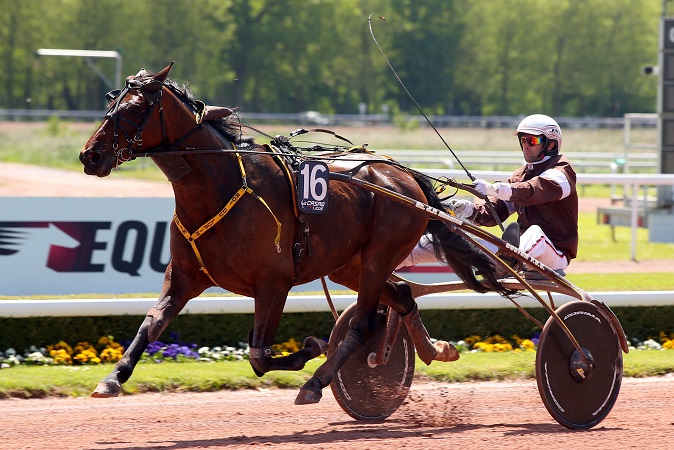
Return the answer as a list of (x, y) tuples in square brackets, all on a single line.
[(171, 301), (269, 303)]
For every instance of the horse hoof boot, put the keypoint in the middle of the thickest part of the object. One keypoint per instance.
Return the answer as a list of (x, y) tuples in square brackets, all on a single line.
[(446, 352)]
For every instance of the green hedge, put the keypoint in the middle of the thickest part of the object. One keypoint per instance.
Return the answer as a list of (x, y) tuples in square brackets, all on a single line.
[(229, 329)]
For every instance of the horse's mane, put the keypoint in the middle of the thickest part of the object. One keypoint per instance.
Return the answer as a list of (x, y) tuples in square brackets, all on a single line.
[(230, 127)]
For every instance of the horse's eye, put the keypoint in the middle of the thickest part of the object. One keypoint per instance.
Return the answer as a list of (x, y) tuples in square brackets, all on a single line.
[(133, 108)]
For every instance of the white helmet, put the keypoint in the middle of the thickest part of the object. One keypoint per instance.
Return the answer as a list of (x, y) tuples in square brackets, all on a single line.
[(538, 124)]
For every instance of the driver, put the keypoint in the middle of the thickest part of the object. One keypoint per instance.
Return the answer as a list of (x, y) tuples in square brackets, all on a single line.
[(542, 193)]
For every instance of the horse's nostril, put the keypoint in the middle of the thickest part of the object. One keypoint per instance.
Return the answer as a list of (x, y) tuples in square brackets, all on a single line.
[(89, 157)]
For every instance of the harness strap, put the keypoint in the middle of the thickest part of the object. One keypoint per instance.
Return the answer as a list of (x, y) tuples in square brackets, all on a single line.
[(244, 189), (278, 156), (277, 239)]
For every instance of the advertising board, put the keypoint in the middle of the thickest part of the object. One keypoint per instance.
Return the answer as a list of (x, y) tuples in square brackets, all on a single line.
[(83, 245)]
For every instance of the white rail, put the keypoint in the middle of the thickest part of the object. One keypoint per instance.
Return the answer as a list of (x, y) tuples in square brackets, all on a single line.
[(300, 303), (443, 159)]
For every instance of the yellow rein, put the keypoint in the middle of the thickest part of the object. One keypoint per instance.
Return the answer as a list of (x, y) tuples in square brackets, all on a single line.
[(244, 189)]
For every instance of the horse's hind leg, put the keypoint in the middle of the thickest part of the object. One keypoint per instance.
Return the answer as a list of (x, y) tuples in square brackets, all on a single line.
[(171, 301), (399, 297), (366, 310)]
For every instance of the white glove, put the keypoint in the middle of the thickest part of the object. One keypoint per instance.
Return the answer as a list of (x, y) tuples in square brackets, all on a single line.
[(461, 208), (499, 190)]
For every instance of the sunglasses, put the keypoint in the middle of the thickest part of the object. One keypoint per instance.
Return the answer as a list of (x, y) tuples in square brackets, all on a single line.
[(531, 140)]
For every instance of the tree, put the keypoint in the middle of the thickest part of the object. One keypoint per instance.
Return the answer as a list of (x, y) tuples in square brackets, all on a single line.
[(471, 57)]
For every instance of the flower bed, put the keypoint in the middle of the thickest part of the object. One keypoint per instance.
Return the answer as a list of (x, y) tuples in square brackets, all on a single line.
[(107, 350)]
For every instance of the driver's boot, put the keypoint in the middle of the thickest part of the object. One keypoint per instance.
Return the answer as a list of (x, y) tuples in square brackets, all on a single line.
[(511, 235)]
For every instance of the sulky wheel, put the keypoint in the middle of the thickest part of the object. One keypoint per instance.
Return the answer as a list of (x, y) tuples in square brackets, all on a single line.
[(364, 390), (576, 395)]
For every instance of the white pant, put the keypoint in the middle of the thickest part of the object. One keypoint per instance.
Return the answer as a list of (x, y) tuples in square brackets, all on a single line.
[(533, 242), (536, 244)]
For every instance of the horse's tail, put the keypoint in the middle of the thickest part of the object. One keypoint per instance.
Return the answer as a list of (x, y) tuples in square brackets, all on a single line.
[(459, 253)]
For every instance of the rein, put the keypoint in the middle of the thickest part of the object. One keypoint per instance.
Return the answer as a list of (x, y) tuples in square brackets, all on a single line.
[(337, 151)]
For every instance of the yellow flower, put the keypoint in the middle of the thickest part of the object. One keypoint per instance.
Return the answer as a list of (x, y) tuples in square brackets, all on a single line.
[(472, 340), (111, 355), (500, 347), (527, 344), (664, 337), (286, 348), (60, 356), (669, 344), (496, 339), (62, 345), (484, 346)]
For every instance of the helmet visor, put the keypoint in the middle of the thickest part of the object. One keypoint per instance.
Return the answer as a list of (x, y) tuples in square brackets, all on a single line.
[(532, 141)]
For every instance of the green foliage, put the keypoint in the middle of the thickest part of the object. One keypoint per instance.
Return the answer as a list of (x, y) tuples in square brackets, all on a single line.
[(467, 57), (639, 323), (202, 329)]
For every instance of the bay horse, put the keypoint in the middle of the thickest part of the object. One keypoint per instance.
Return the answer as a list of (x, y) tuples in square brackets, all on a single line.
[(235, 226)]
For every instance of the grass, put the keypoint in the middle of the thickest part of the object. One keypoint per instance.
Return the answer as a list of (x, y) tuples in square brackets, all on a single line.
[(597, 244), (80, 381), (605, 282)]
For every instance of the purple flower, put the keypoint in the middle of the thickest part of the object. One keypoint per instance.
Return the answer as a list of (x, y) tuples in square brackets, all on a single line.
[(175, 350), (154, 347), (535, 338)]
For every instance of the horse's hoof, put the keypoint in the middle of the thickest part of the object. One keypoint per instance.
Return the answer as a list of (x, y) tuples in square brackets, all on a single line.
[(107, 389), (446, 352), (307, 397), (310, 393)]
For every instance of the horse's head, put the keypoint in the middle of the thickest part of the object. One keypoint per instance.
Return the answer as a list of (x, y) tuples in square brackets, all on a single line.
[(132, 124)]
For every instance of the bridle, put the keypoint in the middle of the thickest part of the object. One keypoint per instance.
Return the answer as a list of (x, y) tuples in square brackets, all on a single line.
[(152, 100), (152, 94)]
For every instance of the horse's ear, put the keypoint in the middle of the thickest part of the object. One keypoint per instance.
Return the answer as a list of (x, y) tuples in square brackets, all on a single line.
[(217, 112), (162, 74)]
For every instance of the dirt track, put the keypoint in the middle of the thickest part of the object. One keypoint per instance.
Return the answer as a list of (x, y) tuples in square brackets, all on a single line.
[(465, 415)]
